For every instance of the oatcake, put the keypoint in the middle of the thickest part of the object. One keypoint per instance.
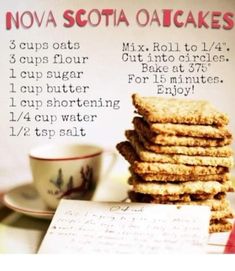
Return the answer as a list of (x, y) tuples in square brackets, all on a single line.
[(222, 214), (195, 187), (149, 156), (215, 202), (224, 151), (149, 177), (142, 129), (140, 167), (205, 131), (164, 110), (179, 154), (220, 226)]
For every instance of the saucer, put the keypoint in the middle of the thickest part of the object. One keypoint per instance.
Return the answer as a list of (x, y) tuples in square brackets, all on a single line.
[(25, 199)]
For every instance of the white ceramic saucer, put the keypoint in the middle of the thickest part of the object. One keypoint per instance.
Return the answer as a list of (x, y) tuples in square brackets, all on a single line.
[(25, 199)]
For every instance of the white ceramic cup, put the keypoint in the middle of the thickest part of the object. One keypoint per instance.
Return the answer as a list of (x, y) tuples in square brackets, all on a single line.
[(67, 171)]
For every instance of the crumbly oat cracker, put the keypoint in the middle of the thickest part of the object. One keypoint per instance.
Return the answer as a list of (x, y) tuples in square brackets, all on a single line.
[(222, 214), (164, 110), (224, 151), (142, 129), (150, 156), (220, 226), (210, 200), (174, 129), (160, 199), (140, 167), (196, 187), (148, 177)]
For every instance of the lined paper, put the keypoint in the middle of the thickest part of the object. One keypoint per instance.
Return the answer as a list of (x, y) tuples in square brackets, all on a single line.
[(101, 227)]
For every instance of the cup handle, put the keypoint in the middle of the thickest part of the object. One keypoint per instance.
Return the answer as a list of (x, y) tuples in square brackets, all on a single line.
[(113, 159)]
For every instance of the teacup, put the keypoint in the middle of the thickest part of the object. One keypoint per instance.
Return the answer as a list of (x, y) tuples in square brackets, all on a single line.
[(66, 171)]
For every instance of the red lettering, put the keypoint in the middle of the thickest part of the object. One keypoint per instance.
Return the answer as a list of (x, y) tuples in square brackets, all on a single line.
[(167, 17), (107, 13), (28, 18), (214, 21), (51, 19), (155, 18), (177, 14), (201, 19), (122, 18), (190, 19), (68, 17), (10, 19), (26, 23), (97, 13), (38, 20), (146, 14), (228, 19), (79, 20)]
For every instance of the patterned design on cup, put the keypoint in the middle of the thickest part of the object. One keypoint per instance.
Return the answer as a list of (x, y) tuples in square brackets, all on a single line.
[(66, 188)]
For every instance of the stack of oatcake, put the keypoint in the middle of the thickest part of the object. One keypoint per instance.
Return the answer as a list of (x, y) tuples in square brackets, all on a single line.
[(179, 153)]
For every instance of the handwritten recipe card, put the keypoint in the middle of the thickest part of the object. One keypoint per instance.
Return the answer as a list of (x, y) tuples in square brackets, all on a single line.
[(101, 227)]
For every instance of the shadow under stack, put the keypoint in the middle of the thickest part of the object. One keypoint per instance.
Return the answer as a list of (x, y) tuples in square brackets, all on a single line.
[(179, 153)]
